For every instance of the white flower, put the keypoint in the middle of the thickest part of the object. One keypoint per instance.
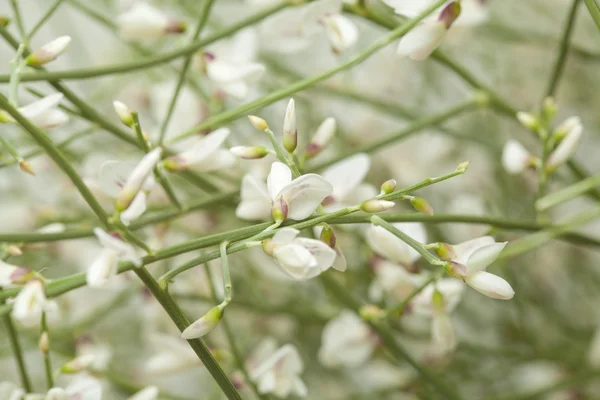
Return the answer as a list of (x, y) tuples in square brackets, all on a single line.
[(321, 138), (571, 130), (346, 177), (171, 355), (49, 51), (203, 154), (473, 257), (451, 290), (279, 374), (84, 387), (387, 245), (31, 302), (43, 113), (346, 341), (341, 32), (301, 196), (392, 280), (204, 324), (137, 179), (107, 261), (144, 22), (515, 158), (300, 258), (101, 353), (148, 393)]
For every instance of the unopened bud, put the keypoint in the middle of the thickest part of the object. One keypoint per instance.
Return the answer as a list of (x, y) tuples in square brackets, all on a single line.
[(258, 122), (450, 13), (249, 152), (445, 251), (176, 27), (279, 210), (4, 21), (456, 270), (78, 364), (321, 138), (371, 312), (376, 205), (388, 186), (204, 325), (14, 250), (48, 52), (44, 342), (123, 112), (567, 126), (26, 167), (174, 164), (421, 205), (328, 236), (549, 108), (529, 121), (290, 133), (463, 166)]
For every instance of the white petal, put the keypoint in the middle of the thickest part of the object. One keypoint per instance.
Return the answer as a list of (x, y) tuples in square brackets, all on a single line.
[(341, 32), (286, 360), (442, 332), (490, 285), (304, 194), (515, 157), (37, 112), (123, 250), (324, 254), (484, 256), (142, 22), (566, 148), (285, 235), (300, 388), (346, 175), (296, 261), (221, 71), (103, 267), (220, 159), (422, 40), (205, 146), (362, 192), (465, 249), (29, 303), (6, 270), (137, 178), (85, 387), (316, 11), (148, 393), (56, 393), (387, 245), (279, 177), (135, 209), (113, 175), (51, 119), (340, 260), (255, 202)]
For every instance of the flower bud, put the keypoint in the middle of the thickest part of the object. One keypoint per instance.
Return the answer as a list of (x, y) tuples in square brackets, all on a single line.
[(565, 149), (421, 205), (463, 167), (174, 164), (490, 285), (279, 210), (290, 133), (202, 326), (388, 186), (4, 21), (445, 251), (48, 52), (549, 108), (250, 152), (123, 112), (14, 250), (321, 138), (136, 179), (376, 205), (567, 126), (450, 13), (26, 167), (328, 236), (529, 121), (455, 269), (371, 312), (78, 364), (258, 123), (44, 343)]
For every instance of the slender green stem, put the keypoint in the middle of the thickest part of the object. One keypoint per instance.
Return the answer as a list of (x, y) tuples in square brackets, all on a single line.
[(150, 61), (594, 11), (11, 150), (225, 269), (232, 114), (204, 13), (568, 193), (282, 154), (44, 18), (17, 350), (18, 18), (563, 50), (46, 354), (182, 323)]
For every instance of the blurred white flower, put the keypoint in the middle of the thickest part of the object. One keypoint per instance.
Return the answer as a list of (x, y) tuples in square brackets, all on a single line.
[(515, 158), (43, 113), (10, 391), (203, 154), (144, 22), (300, 196), (451, 289), (346, 341), (300, 258), (107, 261), (83, 387), (170, 355), (49, 51), (101, 353), (31, 302), (13, 274), (280, 373), (148, 393), (346, 177), (393, 281), (387, 245)]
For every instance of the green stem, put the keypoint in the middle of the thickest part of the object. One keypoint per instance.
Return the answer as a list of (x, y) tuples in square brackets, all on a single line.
[(180, 320), (44, 18), (232, 114), (18, 18), (46, 355), (568, 193), (11, 150), (594, 11), (563, 50), (16, 348), (281, 153), (225, 270), (204, 13)]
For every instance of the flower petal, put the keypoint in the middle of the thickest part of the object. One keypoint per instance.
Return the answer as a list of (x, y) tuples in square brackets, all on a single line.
[(255, 202), (135, 209), (514, 157), (387, 245), (205, 147), (464, 250), (484, 256), (113, 175), (285, 235), (346, 175), (490, 285), (324, 254), (103, 267), (422, 40), (279, 177), (304, 194)]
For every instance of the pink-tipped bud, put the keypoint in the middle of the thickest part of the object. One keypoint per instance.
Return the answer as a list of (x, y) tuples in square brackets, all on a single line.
[(279, 210), (258, 123), (123, 112), (376, 205), (321, 138), (44, 343), (250, 152), (48, 52), (450, 13), (445, 251), (328, 236), (421, 205), (290, 133), (388, 186), (26, 167), (529, 121), (371, 312)]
